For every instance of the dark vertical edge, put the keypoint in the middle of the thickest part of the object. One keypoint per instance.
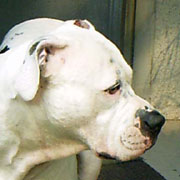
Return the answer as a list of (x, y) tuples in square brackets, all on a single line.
[(134, 29), (110, 18), (121, 26), (129, 32), (116, 20)]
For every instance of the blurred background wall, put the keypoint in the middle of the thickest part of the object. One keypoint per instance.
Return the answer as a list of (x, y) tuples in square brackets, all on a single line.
[(108, 16), (157, 54)]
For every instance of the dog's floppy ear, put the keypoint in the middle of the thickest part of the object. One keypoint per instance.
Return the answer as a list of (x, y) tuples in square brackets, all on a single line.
[(27, 80), (34, 64)]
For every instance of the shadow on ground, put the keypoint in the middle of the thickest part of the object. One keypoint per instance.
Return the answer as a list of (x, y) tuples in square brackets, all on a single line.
[(133, 170)]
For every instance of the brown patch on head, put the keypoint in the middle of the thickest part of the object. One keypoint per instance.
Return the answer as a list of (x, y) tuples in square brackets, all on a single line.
[(81, 24)]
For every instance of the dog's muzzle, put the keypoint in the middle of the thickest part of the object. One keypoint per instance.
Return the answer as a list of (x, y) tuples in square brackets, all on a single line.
[(142, 135)]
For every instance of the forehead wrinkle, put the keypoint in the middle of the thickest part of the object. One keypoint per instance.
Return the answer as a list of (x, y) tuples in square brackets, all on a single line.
[(116, 59), (123, 70)]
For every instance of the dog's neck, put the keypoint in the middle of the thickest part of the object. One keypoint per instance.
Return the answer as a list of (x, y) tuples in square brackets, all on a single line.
[(35, 140)]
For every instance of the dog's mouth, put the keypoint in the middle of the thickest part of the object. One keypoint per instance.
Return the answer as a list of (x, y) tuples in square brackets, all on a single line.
[(133, 143), (103, 155), (133, 139)]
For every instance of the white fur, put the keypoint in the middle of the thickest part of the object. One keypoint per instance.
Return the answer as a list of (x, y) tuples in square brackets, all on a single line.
[(54, 109)]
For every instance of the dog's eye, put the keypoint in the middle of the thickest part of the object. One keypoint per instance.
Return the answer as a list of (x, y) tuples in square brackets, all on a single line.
[(113, 89)]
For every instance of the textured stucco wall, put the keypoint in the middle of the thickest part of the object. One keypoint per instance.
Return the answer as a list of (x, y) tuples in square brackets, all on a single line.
[(157, 54)]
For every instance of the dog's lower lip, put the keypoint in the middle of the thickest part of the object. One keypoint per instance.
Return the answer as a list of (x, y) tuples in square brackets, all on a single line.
[(105, 156)]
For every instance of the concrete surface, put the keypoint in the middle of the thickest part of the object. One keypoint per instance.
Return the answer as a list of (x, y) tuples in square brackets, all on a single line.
[(164, 157), (162, 162)]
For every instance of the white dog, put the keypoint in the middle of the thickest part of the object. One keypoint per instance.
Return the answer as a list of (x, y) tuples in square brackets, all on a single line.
[(65, 88)]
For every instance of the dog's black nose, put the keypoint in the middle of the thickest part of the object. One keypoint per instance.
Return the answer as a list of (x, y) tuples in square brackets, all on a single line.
[(152, 121)]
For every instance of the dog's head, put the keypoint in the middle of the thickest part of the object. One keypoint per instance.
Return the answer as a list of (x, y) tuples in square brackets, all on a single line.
[(84, 84)]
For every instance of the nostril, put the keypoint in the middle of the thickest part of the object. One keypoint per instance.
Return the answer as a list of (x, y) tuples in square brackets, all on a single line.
[(152, 120), (156, 120)]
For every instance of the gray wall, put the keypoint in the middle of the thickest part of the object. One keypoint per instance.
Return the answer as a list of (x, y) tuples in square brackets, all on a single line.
[(15, 11), (114, 18), (157, 54), (106, 15)]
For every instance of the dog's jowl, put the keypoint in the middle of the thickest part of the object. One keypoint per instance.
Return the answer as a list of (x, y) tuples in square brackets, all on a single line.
[(64, 89)]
